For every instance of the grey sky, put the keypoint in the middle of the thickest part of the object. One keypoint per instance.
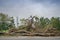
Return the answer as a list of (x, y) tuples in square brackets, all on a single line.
[(25, 8)]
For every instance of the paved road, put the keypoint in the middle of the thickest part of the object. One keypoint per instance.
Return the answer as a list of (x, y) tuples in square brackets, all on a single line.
[(29, 38)]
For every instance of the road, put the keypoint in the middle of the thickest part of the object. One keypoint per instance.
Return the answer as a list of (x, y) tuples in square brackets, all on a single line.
[(29, 38)]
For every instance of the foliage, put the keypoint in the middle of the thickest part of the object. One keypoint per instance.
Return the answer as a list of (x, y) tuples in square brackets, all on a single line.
[(32, 23), (43, 23), (6, 22)]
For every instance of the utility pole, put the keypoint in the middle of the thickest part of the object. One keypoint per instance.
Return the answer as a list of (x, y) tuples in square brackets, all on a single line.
[(17, 21)]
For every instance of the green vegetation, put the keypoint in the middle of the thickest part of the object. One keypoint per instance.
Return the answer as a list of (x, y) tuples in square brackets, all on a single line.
[(6, 22), (32, 24)]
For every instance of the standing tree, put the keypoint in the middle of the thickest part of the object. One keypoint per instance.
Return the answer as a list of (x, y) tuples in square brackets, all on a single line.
[(55, 22), (5, 22)]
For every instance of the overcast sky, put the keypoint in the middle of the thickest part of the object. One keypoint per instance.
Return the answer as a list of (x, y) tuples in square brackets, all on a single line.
[(25, 8)]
